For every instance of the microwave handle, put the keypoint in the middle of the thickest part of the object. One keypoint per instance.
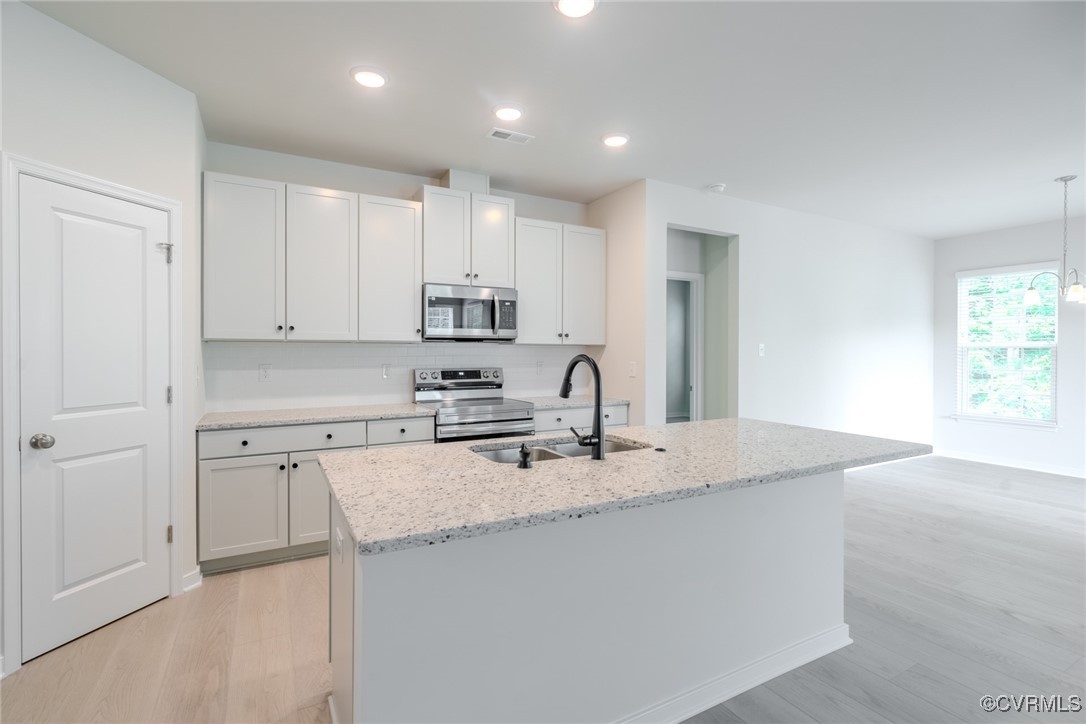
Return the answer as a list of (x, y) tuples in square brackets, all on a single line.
[(494, 314)]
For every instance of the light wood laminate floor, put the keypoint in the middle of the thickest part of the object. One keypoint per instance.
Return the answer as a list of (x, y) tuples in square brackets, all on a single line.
[(961, 579)]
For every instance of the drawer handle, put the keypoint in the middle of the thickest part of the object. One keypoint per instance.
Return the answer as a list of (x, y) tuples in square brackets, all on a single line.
[(295, 466), (559, 419), (290, 328), (329, 436), (282, 467), (607, 417), (403, 431), (279, 328), (244, 443)]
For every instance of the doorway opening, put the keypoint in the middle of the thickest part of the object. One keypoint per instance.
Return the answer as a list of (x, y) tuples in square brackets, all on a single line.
[(700, 327)]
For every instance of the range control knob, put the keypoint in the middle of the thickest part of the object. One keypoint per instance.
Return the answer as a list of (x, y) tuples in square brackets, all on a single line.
[(486, 374), (496, 374), (433, 375), (423, 375)]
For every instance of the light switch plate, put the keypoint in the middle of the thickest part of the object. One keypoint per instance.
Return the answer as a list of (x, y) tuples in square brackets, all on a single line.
[(761, 350)]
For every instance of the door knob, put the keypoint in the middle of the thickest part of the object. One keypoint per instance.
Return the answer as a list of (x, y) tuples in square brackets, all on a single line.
[(42, 441)]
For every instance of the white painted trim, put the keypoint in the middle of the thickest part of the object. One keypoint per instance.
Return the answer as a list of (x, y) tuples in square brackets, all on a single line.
[(192, 579), (1038, 266), (1011, 463), (1038, 425), (12, 167), (3, 673), (332, 710), (735, 682), (697, 323)]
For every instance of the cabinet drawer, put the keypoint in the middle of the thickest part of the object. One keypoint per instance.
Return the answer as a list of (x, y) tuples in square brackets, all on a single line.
[(410, 429), (615, 415), (287, 438), (579, 417)]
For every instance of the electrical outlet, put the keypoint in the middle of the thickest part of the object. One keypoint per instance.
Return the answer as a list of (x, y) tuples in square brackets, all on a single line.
[(264, 373), (384, 371), (761, 350), (539, 367), (632, 371)]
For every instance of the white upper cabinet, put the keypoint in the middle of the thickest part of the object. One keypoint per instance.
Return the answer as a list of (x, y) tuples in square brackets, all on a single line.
[(584, 285), (492, 241), (390, 270), (539, 281), (446, 229), (322, 264), (467, 238), (244, 256), (561, 283)]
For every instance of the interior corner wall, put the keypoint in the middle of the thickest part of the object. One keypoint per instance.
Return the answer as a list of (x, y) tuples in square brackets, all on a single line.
[(1061, 450), (844, 310), (622, 361), (71, 102)]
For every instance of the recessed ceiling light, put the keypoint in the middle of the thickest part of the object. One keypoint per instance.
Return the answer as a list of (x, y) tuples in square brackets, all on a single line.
[(369, 77), (616, 140), (507, 112), (716, 188), (575, 8)]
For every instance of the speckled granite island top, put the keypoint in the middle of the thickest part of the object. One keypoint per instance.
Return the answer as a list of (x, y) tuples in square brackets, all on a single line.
[(407, 497)]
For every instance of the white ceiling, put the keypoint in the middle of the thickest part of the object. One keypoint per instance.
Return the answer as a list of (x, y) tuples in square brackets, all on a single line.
[(933, 118)]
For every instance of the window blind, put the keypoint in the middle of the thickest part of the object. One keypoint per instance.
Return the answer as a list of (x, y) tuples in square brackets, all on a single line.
[(1006, 348)]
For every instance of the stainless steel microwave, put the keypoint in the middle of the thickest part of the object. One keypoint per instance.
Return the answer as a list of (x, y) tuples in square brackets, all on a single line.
[(475, 314)]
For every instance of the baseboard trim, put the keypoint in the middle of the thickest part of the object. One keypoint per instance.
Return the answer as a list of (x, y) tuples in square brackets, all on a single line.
[(1009, 463), (191, 580), (332, 710), (733, 683)]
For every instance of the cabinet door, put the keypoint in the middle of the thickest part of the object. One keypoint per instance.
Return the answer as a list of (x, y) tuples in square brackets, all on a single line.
[(244, 258), (308, 499), (446, 236), (492, 253), (584, 285), (322, 264), (389, 270), (539, 282), (243, 505)]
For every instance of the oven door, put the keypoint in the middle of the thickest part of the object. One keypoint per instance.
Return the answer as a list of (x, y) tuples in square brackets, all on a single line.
[(469, 313), (448, 433)]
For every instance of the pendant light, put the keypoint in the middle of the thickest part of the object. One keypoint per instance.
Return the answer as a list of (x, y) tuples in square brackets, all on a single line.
[(1070, 291)]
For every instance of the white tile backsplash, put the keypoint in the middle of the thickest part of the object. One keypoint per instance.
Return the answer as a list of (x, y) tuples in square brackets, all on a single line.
[(305, 374)]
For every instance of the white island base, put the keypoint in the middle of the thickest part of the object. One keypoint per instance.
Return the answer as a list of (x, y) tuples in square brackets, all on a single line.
[(650, 614)]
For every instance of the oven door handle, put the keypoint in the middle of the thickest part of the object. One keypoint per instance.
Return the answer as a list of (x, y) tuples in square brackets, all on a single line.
[(450, 431), (494, 315)]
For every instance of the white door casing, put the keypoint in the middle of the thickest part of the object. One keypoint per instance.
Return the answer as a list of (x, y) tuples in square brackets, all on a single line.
[(95, 352)]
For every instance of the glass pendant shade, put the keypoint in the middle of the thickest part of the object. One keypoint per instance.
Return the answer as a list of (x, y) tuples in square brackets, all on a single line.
[(1032, 297)]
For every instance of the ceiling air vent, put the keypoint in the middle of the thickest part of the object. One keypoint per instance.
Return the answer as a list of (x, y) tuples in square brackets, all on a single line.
[(500, 134)]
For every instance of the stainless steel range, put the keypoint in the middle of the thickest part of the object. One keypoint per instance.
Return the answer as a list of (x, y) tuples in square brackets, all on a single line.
[(470, 404)]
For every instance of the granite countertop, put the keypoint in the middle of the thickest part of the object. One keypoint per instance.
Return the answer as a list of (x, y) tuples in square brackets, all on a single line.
[(407, 497), (310, 415), (574, 401)]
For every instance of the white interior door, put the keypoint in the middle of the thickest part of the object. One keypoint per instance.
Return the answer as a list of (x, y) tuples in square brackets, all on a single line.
[(94, 336)]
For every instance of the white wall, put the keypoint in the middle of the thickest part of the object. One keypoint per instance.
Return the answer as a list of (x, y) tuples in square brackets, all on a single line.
[(73, 103), (258, 163), (844, 310), (720, 385), (1062, 450), (622, 361), (684, 251)]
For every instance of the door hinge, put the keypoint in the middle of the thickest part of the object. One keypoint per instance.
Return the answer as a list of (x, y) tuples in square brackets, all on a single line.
[(169, 251), (169, 533), (169, 395)]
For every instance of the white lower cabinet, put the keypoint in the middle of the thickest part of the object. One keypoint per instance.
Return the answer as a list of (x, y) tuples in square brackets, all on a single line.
[(243, 505), (275, 496)]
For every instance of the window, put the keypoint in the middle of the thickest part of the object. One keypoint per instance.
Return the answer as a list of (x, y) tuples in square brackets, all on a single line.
[(1006, 348)]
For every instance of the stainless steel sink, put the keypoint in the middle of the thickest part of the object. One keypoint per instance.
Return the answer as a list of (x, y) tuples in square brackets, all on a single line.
[(555, 451)]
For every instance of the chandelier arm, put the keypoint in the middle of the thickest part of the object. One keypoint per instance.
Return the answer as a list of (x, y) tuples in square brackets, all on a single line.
[(1041, 274)]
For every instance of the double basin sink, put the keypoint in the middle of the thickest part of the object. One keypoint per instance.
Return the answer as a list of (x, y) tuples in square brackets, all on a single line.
[(554, 451)]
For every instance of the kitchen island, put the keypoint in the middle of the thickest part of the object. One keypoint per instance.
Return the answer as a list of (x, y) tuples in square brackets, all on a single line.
[(648, 586)]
